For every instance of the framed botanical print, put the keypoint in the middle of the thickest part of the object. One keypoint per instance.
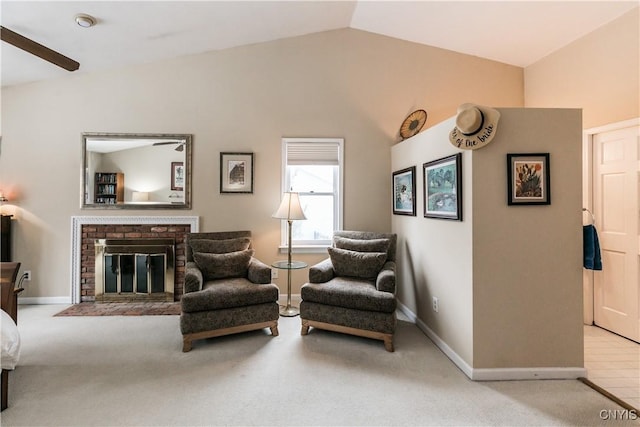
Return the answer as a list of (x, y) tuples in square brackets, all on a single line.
[(236, 172), (404, 191), (177, 176), (443, 188), (528, 179)]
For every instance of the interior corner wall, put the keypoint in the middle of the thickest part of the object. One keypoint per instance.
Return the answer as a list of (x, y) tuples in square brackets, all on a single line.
[(435, 256), (508, 278), (599, 73)]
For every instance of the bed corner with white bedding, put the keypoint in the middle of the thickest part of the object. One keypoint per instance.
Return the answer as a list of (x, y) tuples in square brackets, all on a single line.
[(10, 341)]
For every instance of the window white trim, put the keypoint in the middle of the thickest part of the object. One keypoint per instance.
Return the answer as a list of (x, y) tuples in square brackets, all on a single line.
[(320, 155), (305, 249)]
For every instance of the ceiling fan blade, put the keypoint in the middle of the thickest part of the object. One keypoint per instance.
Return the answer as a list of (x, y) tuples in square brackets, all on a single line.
[(180, 146), (37, 49)]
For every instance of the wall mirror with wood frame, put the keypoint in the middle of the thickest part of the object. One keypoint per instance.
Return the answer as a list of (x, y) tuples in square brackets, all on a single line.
[(136, 171)]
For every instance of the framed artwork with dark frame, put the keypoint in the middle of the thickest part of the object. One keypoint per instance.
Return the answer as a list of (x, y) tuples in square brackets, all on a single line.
[(177, 176), (236, 172), (528, 179), (404, 191), (443, 188)]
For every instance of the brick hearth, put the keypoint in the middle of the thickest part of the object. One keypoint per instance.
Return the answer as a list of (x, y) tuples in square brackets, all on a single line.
[(91, 232)]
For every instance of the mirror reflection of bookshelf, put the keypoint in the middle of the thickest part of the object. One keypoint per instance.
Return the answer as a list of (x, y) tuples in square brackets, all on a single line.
[(109, 188)]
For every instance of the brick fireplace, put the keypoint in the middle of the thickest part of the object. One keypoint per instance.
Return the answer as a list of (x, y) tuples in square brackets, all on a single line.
[(85, 231)]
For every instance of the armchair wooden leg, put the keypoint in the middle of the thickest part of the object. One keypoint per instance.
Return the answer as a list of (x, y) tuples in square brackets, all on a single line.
[(305, 328), (186, 344), (274, 330), (388, 343)]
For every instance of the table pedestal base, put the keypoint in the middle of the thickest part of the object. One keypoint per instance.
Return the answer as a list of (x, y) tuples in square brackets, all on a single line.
[(289, 311)]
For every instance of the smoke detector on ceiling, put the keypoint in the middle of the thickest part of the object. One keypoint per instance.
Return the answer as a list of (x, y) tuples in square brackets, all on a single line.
[(85, 21)]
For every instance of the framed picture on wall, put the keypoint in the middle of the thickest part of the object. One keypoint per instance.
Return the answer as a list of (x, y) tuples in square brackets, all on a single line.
[(443, 188), (236, 172), (528, 179), (404, 195), (177, 176)]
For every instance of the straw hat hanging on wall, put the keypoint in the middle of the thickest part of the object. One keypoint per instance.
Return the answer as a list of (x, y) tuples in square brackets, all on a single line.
[(475, 126)]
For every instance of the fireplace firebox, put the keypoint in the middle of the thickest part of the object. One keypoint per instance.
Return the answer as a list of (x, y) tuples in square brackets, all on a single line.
[(133, 270)]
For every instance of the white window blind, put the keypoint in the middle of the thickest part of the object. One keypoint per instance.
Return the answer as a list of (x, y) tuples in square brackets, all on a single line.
[(313, 153), (313, 167)]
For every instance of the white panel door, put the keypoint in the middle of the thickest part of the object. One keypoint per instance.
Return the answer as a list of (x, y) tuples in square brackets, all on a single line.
[(615, 187)]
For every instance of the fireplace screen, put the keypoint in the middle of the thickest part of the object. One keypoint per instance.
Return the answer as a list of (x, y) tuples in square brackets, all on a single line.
[(139, 273), (134, 270)]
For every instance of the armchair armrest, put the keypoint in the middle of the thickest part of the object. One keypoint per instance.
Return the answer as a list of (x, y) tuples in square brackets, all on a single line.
[(259, 272), (386, 280), (192, 278), (321, 272)]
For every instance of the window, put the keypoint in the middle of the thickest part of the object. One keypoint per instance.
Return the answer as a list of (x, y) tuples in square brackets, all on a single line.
[(312, 167)]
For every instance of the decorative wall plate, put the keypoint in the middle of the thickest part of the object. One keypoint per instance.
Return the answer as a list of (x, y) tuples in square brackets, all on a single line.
[(413, 124)]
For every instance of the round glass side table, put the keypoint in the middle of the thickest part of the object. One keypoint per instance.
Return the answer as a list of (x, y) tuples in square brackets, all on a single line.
[(289, 310)]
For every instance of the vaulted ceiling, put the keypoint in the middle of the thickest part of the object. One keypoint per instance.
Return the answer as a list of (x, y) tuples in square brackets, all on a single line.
[(129, 32)]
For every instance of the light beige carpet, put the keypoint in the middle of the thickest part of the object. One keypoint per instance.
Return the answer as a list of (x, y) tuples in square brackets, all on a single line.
[(130, 370)]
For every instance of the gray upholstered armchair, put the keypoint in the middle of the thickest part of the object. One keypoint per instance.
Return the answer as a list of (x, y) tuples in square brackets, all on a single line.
[(226, 289), (353, 291)]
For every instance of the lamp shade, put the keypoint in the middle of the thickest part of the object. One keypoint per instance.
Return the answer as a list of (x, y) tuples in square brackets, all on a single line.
[(140, 196), (290, 207)]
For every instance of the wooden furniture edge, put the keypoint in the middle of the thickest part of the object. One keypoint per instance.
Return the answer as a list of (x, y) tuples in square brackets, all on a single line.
[(5, 390), (386, 338), (189, 338), (10, 306)]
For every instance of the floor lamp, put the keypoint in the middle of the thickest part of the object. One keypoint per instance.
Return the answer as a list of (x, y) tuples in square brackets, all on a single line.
[(290, 210)]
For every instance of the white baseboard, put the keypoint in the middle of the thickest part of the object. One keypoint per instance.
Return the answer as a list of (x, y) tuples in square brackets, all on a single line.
[(43, 300), (507, 374), (493, 374), (295, 299)]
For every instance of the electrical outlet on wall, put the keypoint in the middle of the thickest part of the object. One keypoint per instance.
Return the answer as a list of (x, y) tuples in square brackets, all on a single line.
[(274, 273), (27, 275), (434, 300)]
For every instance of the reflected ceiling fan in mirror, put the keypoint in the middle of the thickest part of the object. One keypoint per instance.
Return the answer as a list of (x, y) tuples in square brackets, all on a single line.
[(37, 49), (180, 146)]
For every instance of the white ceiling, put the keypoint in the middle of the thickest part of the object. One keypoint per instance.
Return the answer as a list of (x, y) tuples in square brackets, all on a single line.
[(129, 32)]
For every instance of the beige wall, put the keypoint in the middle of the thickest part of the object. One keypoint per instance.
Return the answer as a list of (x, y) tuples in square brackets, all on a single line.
[(527, 264), (598, 73), (344, 83), (508, 278), (435, 256)]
